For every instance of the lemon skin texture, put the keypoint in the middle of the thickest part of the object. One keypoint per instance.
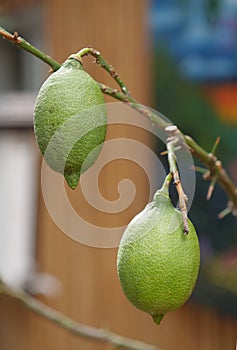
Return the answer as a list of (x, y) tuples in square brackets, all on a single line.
[(157, 263), (70, 121)]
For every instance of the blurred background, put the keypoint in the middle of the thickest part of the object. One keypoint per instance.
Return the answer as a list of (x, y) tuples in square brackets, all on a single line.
[(176, 56)]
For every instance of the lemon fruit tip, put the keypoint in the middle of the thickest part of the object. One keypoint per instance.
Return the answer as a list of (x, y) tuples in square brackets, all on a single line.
[(157, 318), (72, 180)]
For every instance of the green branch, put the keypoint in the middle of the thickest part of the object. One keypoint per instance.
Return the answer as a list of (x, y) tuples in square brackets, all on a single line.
[(84, 331), (23, 44), (131, 102)]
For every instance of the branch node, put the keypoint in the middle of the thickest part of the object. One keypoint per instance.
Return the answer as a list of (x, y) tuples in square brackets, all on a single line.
[(218, 164), (212, 157), (16, 37)]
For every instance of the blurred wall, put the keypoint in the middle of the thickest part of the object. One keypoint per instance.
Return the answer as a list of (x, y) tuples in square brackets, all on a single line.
[(91, 292)]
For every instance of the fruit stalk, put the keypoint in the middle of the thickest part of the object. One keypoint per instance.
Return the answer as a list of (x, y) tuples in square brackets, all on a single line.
[(172, 141), (101, 61)]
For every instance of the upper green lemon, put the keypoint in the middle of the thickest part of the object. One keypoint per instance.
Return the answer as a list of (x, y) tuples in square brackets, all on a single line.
[(157, 263), (70, 120)]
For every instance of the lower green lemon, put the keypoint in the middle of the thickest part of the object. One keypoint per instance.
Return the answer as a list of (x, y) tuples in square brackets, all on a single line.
[(70, 120), (157, 263)]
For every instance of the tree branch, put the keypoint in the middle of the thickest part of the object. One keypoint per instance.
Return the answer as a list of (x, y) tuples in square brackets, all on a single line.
[(131, 102), (215, 167), (81, 330), (23, 44)]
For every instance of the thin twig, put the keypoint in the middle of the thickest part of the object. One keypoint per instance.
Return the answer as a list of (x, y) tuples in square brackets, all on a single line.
[(131, 102), (84, 331), (172, 142)]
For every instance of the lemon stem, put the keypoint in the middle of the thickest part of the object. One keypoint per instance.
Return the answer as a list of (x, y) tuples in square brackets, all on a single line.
[(175, 139), (102, 62), (164, 190), (167, 181)]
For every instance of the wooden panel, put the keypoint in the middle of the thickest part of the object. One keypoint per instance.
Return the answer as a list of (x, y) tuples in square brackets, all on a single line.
[(117, 29), (91, 292), (9, 7)]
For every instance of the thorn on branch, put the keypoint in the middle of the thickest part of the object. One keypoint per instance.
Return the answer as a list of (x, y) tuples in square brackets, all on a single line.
[(211, 187), (224, 212), (229, 209), (96, 53), (201, 170), (113, 73), (216, 143), (15, 37), (164, 153), (12, 37), (113, 93), (206, 175)]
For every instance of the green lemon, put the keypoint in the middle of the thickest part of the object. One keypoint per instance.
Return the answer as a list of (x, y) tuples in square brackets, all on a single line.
[(70, 120), (157, 263)]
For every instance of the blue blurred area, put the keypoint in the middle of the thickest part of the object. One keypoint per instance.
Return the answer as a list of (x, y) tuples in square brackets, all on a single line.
[(200, 34)]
